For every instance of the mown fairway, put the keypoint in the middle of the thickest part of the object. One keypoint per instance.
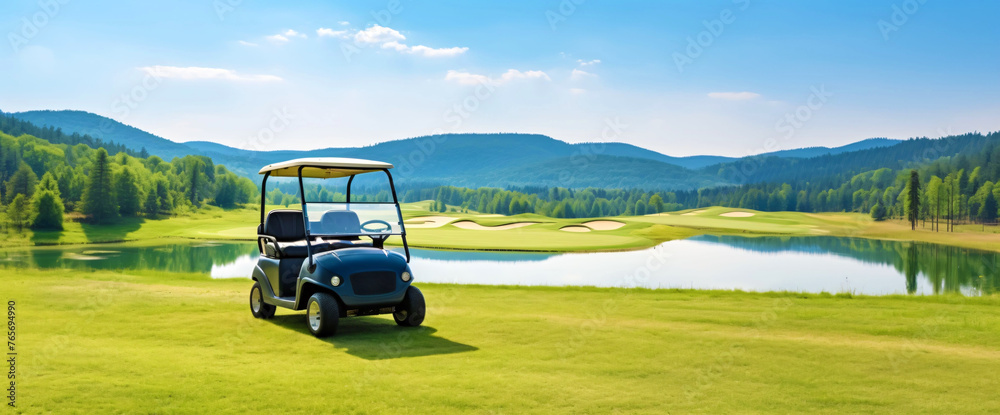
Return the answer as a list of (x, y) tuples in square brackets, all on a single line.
[(544, 235), (163, 343)]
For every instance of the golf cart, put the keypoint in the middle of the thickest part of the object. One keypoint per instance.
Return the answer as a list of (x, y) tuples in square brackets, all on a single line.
[(329, 258)]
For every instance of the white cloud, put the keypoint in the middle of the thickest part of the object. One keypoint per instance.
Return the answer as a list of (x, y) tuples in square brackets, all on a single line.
[(513, 74), (276, 38), (194, 72), (734, 96), (245, 43), (588, 63), (466, 78), (344, 23), (285, 36), (432, 52), (578, 75), (389, 38), (326, 32), (378, 35)]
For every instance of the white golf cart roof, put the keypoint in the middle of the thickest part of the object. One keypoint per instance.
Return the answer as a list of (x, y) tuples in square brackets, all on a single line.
[(324, 167)]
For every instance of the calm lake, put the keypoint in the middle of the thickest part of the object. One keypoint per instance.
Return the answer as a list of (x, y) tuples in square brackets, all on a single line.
[(810, 264)]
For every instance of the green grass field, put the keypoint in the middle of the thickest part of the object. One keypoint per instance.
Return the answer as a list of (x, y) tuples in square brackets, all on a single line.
[(173, 343)]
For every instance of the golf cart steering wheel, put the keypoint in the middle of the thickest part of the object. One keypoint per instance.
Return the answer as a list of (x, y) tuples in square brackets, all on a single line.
[(364, 226)]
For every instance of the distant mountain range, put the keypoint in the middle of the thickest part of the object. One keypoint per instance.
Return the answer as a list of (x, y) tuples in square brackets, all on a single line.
[(472, 160)]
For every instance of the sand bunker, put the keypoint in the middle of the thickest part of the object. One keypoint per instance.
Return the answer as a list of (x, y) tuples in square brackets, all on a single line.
[(80, 257), (696, 212), (737, 214), (428, 222), (603, 225), (468, 224), (575, 228)]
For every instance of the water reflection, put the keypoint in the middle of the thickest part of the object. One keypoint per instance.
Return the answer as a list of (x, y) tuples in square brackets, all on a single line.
[(178, 257), (943, 268), (811, 264)]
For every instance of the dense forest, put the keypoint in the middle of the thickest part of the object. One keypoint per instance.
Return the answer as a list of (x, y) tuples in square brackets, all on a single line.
[(45, 181), (46, 174), (17, 127), (962, 186)]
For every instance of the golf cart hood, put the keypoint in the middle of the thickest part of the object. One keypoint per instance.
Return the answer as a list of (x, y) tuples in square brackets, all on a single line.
[(349, 260)]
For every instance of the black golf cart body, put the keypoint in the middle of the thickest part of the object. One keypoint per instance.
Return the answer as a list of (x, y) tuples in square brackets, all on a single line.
[(319, 249)]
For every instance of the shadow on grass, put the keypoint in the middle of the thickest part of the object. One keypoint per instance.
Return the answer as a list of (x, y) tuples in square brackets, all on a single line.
[(113, 232), (376, 338)]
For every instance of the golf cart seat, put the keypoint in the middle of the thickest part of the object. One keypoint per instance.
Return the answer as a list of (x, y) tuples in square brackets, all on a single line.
[(286, 227), (344, 223)]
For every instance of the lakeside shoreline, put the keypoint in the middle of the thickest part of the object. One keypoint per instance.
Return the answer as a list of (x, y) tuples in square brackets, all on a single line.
[(545, 236)]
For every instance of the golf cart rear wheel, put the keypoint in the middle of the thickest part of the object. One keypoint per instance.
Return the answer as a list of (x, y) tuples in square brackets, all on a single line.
[(410, 312), (258, 307), (322, 314)]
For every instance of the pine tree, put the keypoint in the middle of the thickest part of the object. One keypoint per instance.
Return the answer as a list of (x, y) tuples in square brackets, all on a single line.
[(19, 212), (913, 199), (22, 182), (47, 204), (194, 181), (878, 212), (163, 198), (99, 200), (151, 207), (988, 211), (129, 200)]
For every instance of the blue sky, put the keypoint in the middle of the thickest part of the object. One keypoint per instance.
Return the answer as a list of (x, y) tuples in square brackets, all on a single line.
[(680, 77)]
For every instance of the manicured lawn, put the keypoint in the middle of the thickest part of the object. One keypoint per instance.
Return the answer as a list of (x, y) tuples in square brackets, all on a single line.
[(104, 342)]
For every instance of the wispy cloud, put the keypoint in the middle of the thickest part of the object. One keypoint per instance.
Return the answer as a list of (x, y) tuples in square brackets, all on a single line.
[(195, 73), (327, 32), (734, 96), (424, 50), (588, 63), (466, 78), (245, 43), (344, 23), (577, 91), (579, 75), (389, 38), (285, 36)]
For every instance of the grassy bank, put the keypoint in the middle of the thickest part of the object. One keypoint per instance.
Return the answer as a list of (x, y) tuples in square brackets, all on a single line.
[(106, 342), (544, 234)]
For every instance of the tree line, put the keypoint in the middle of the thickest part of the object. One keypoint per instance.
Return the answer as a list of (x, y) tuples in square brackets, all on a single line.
[(948, 190), (99, 187)]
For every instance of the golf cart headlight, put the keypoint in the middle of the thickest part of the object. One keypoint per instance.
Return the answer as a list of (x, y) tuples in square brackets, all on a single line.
[(335, 280), (406, 276)]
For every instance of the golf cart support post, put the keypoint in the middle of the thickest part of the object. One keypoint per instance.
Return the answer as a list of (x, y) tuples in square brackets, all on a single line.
[(305, 216)]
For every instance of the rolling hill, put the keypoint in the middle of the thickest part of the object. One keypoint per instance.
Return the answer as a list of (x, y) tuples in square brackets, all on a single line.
[(501, 160)]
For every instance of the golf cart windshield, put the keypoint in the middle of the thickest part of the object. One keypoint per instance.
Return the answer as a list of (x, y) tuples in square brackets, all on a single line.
[(353, 219)]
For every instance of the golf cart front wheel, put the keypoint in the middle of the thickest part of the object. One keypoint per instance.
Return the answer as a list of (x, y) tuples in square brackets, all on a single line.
[(410, 312), (322, 314), (258, 307)]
